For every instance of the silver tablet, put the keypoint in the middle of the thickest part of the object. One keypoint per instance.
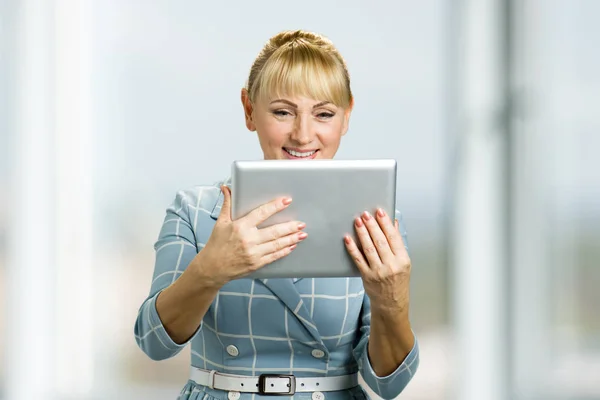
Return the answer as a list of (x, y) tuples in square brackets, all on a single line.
[(327, 195)]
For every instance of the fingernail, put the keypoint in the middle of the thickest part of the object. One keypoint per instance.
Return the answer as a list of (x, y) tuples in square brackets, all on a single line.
[(292, 247), (358, 222), (380, 212), (347, 239), (301, 225), (302, 235), (287, 201), (366, 216)]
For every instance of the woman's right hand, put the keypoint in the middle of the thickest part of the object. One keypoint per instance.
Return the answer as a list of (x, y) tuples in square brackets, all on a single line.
[(238, 248)]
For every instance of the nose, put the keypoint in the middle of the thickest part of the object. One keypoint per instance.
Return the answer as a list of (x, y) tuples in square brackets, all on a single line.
[(302, 130)]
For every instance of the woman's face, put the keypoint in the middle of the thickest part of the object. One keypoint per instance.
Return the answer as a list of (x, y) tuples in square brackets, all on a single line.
[(296, 128)]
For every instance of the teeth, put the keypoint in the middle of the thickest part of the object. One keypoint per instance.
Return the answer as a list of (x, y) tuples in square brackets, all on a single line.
[(297, 154)]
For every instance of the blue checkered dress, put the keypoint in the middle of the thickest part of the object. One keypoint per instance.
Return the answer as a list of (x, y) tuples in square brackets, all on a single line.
[(275, 324)]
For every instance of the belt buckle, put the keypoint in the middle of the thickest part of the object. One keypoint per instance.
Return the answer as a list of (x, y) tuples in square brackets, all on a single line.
[(262, 383)]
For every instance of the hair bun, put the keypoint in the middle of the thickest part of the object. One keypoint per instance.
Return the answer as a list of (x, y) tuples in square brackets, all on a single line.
[(298, 62)]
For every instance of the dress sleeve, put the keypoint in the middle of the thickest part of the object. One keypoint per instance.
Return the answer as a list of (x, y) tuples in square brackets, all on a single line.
[(174, 250), (387, 387)]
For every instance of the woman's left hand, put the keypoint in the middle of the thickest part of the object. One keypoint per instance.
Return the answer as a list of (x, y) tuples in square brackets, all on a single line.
[(384, 263)]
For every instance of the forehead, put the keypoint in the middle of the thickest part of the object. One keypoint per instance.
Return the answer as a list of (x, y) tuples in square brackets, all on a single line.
[(298, 101), (302, 82)]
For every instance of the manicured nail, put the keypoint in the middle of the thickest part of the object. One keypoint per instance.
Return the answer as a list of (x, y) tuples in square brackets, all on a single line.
[(380, 212), (358, 222), (366, 216), (302, 235), (287, 201)]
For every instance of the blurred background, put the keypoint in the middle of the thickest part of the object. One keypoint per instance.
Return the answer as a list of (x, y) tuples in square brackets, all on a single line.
[(490, 107)]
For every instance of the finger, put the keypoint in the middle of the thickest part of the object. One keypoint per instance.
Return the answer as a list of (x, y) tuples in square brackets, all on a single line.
[(368, 247), (261, 213), (357, 256), (390, 231), (281, 243), (378, 237), (277, 231), (271, 257), (225, 214)]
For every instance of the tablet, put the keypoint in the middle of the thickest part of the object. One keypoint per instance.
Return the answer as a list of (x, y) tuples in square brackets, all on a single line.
[(327, 195)]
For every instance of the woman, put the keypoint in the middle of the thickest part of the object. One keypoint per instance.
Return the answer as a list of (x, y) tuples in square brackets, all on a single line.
[(314, 334)]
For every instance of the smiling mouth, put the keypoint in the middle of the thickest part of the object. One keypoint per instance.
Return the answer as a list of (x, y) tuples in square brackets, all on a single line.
[(297, 155)]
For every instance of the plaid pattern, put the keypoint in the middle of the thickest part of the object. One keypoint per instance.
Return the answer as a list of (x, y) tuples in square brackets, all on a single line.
[(275, 324)]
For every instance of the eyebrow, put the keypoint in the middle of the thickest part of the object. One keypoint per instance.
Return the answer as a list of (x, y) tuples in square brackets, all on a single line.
[(296, 106)]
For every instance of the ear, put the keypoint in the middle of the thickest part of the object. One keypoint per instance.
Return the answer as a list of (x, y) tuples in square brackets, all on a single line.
[(347, 113), (247, 104)]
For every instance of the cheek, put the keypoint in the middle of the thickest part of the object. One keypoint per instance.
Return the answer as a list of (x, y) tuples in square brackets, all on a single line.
[(332, 132), (272, 132)]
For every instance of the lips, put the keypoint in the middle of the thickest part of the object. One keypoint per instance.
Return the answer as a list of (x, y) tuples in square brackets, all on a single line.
[(297, 154)]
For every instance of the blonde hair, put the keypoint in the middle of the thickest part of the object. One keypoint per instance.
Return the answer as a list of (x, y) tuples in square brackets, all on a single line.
[(300, 63)]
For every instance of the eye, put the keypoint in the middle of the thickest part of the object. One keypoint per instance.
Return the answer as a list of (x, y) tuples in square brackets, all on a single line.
[(281, 113), (325, 115)]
